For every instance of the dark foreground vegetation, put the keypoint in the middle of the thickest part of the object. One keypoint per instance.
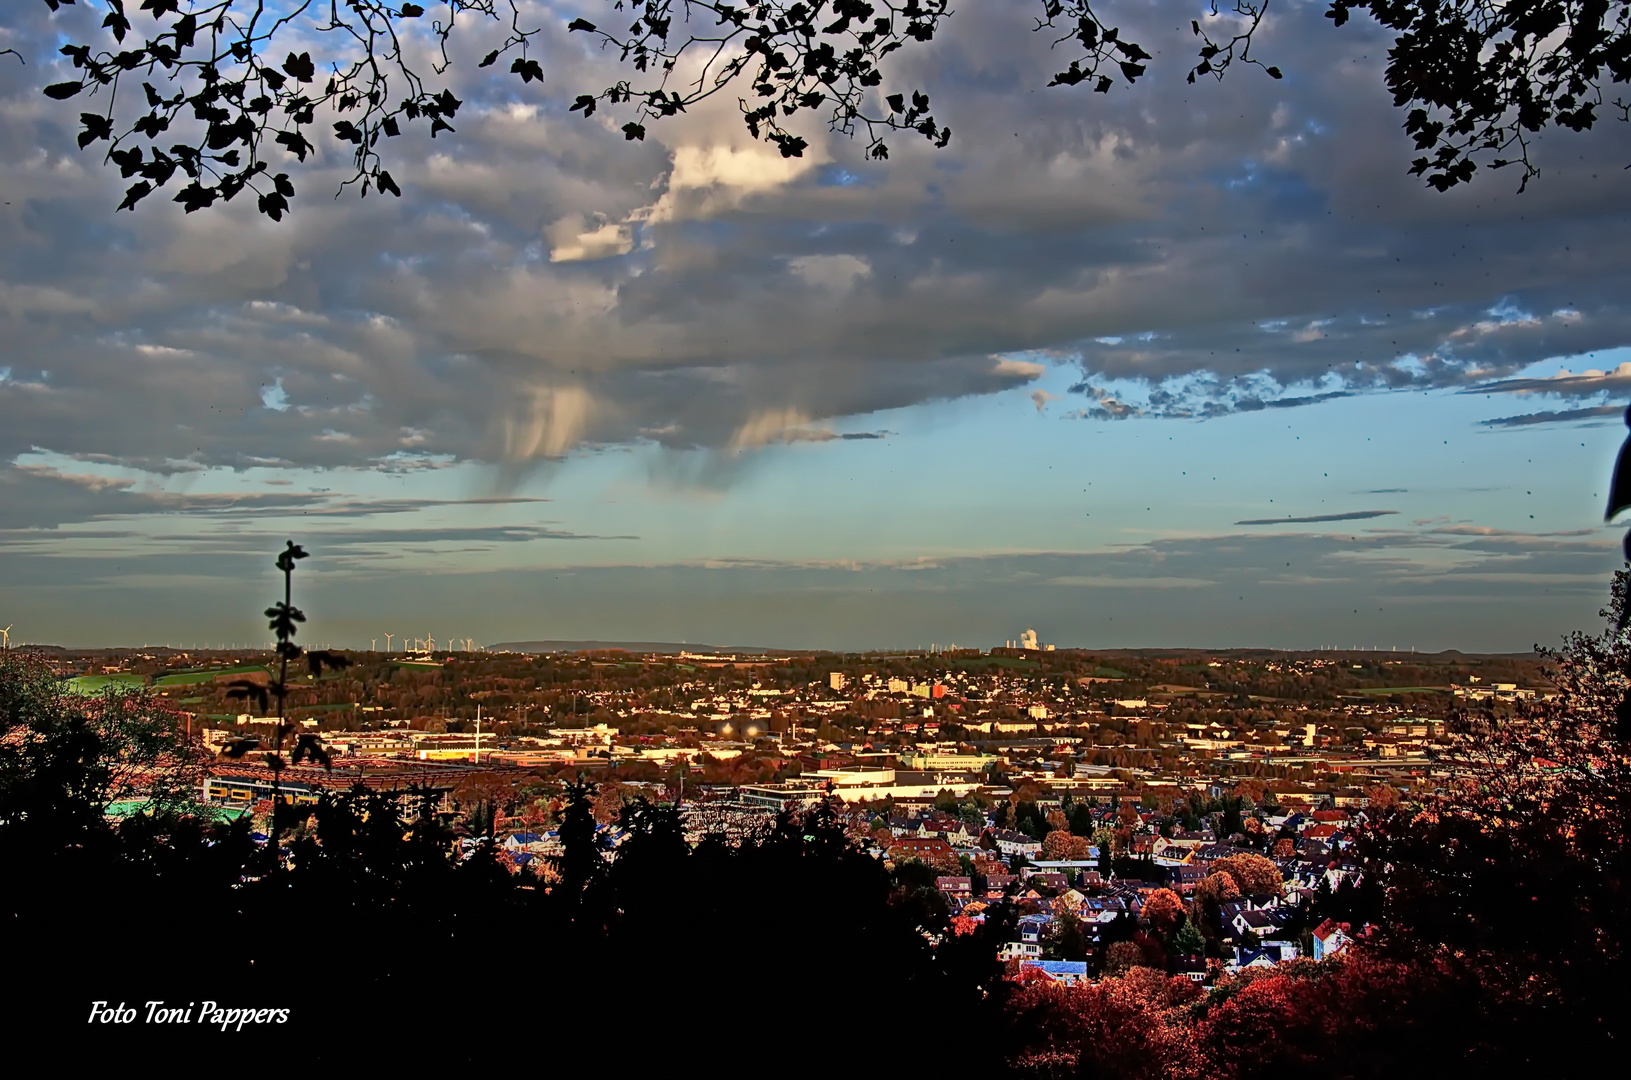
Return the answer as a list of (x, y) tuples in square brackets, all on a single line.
[(1497, 908)]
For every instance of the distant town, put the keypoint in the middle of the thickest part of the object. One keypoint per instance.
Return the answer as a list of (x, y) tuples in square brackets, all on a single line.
[(1090, 789)]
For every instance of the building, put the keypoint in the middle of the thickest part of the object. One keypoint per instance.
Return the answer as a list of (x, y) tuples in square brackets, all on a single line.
[(775, 796), (244, 785), (1010, 842), (1069, 972), (1330, 938), (836, 680), (940, 762)]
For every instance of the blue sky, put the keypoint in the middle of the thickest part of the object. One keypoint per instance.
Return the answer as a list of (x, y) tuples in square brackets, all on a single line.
[(1070, 373)]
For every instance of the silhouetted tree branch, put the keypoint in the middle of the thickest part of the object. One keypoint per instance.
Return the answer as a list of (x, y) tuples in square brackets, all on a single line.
[(218, 104)]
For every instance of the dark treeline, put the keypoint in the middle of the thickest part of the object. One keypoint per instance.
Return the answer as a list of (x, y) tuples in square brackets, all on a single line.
[(388, 947)]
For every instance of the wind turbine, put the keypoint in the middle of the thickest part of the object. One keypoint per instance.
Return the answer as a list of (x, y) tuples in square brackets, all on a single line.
[(5, 637), (388, 638), (430, 643), (372, 642)]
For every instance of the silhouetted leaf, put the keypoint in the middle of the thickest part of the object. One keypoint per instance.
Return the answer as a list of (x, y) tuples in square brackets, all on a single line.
[(300, 67)]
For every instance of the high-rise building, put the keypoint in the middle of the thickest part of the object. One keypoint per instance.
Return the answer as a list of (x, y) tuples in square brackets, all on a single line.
[(836, 680)]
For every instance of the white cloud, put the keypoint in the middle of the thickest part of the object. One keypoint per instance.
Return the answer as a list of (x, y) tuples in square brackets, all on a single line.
[(1008, 367), (574, 240)]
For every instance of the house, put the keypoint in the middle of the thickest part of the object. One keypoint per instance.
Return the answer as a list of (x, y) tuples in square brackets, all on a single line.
[(930, 849), (1029, 945), (955, 886), (996, 885), (1101, 909), (1010, 842), (1055, 882), (1330, 938), (1253, 958), (950, 829), (1069, 972), (1266, 955), (1184, 878), (1260, 923), (522, 841), (1031, 930), (1193, 968)]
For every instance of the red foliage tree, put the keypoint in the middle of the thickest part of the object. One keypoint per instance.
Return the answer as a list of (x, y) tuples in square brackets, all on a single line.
[(1118, 1027), (1163, 910)]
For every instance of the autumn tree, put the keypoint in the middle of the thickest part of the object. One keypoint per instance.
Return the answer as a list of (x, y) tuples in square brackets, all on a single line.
[(1060, 845), (1123, 1026), (1253, 875), (1513, 877), (1163, 909), (1382, 797), (483, 795)]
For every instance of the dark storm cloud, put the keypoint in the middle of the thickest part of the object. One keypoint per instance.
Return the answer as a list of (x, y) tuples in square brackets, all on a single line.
[(546, 286), (44, 499), (37, 497), (1352, 515), (1563, 384)]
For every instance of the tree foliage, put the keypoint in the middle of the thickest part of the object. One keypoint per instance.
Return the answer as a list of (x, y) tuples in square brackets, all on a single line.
[(1253, 875), (213, 97), (1163, 909), (1516, 873)]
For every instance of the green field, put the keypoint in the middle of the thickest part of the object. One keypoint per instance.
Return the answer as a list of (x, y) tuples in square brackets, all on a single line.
[(92, 685), (1402, 690), (193, 678)]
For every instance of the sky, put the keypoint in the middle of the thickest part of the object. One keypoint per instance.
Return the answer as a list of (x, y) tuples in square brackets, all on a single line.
[(1170, 366)]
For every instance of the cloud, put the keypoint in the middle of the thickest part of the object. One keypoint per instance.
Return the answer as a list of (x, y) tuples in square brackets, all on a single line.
[(550, 424), (1007, 367), (546, 287), (837, 273), (1558, 416), (1565, 383), (1352, 515), (574, 240)]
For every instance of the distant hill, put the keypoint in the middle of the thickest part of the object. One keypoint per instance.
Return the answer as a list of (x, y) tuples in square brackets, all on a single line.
[(627, 646)]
